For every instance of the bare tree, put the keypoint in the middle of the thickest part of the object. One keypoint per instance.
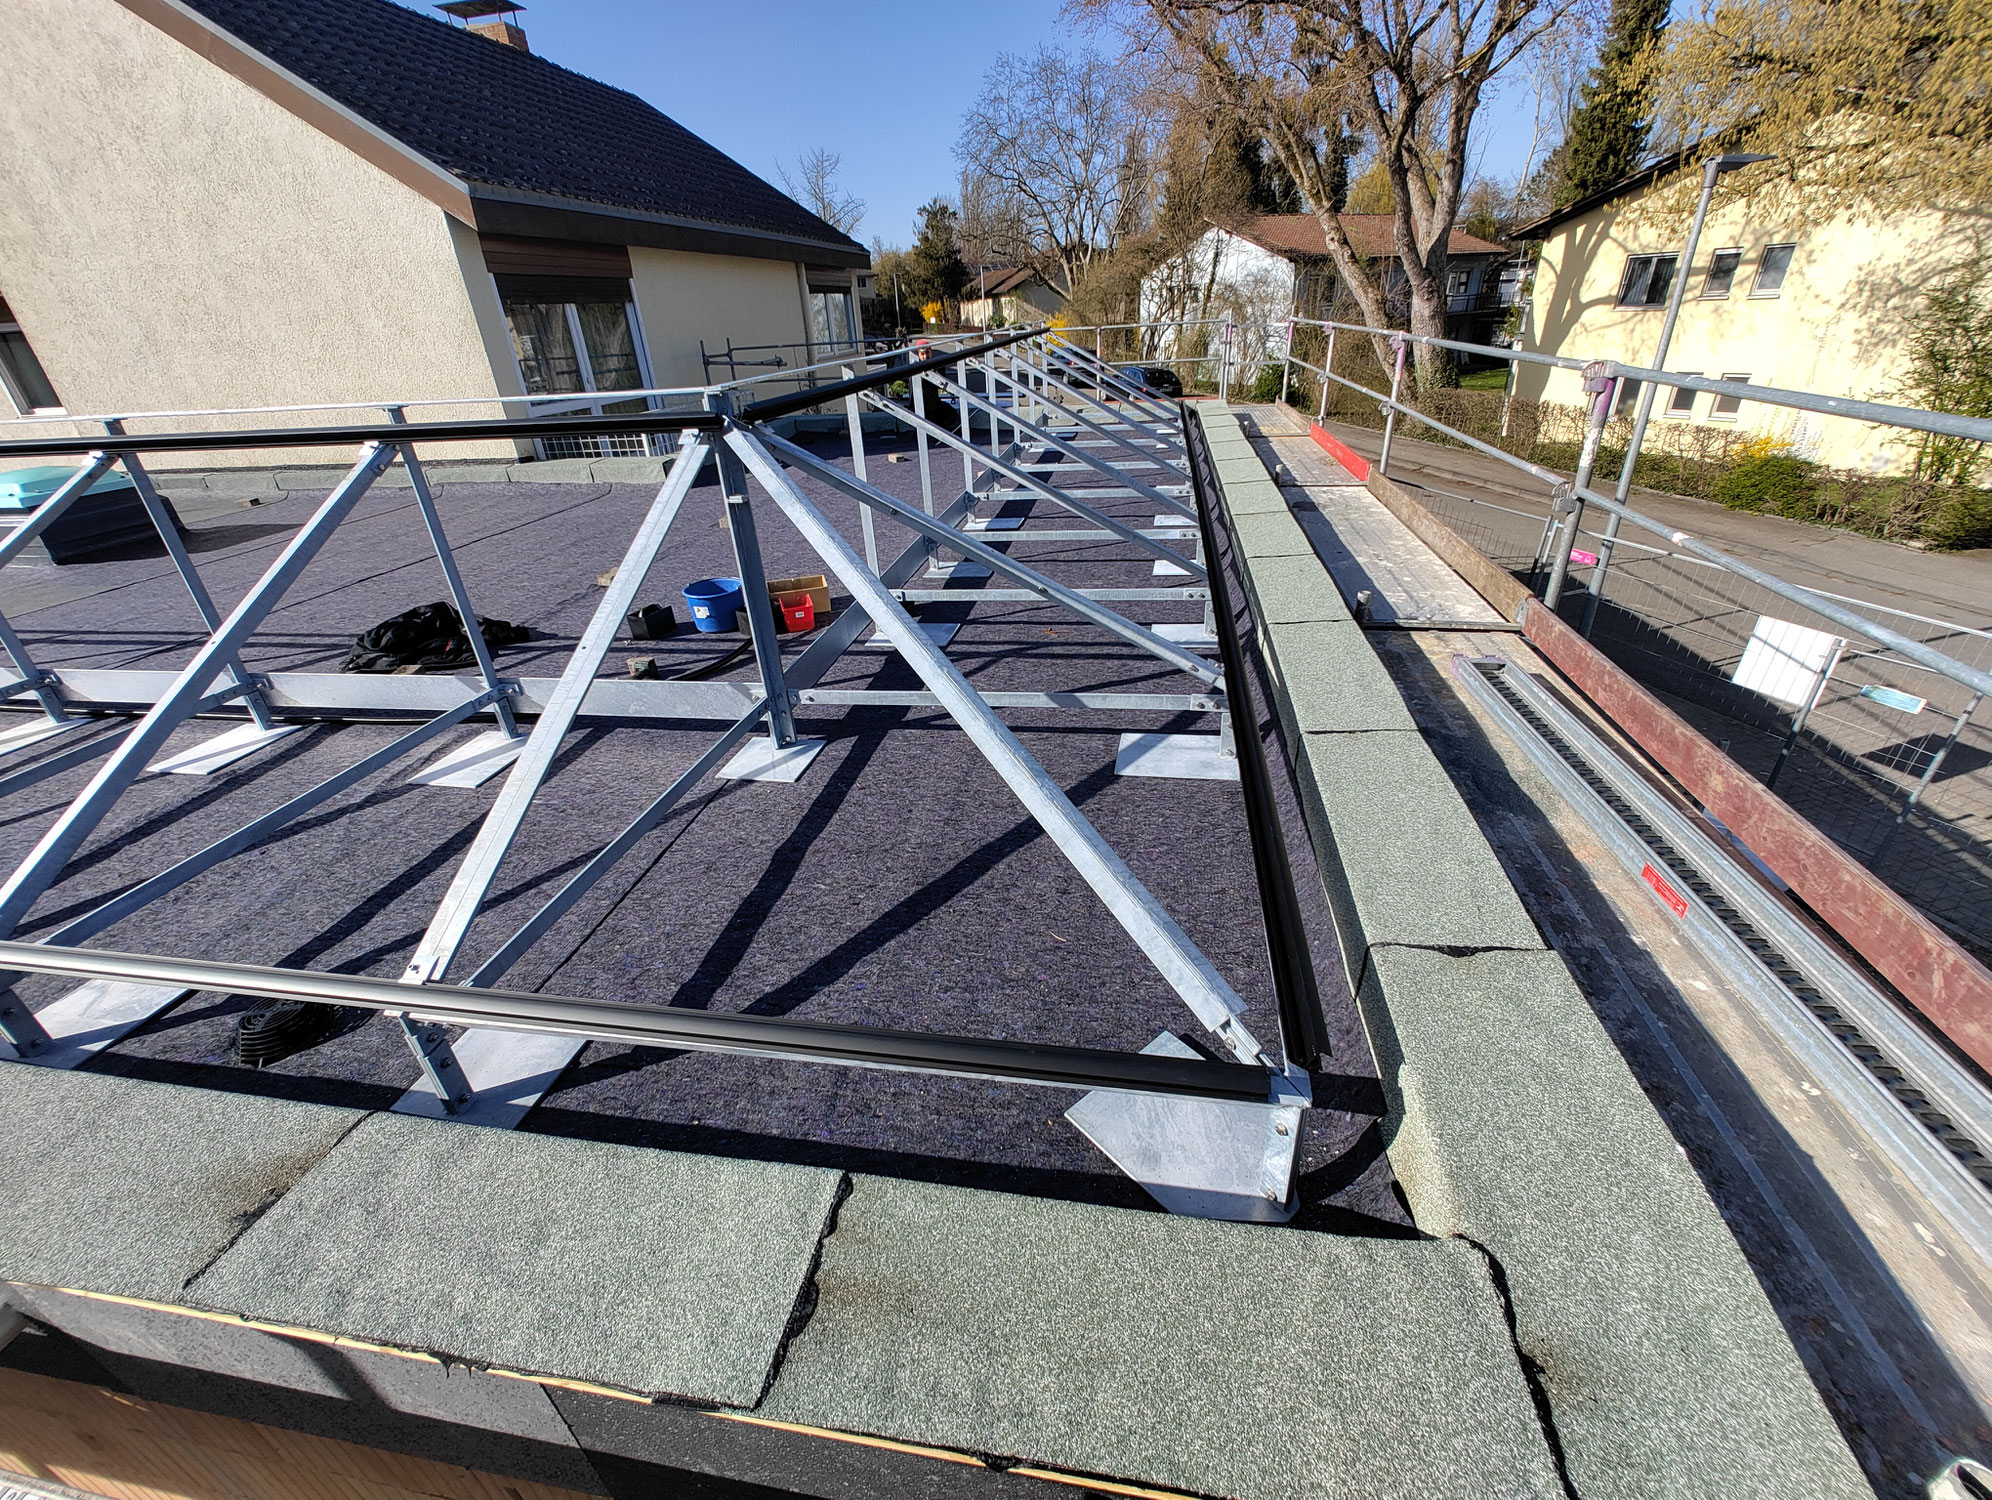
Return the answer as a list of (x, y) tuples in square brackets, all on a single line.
[(1555, 73), (1411, 73), (994, 228), (1061, 141), (814, 185)]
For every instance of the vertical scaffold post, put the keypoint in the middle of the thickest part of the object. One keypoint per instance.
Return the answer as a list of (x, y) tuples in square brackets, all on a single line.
[(1600, 383), (1327, 368), (1399, 343)]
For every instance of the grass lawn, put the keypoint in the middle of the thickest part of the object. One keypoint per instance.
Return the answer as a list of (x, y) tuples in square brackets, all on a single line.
[(1485, 380)]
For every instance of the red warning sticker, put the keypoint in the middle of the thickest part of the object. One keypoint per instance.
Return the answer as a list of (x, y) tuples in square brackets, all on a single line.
[(1676, 902)]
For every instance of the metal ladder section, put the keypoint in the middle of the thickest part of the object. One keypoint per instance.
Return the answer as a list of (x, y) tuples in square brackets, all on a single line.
[(1919, 1105)]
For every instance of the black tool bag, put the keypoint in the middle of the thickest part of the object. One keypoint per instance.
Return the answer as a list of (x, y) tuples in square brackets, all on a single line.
[(430, 638)]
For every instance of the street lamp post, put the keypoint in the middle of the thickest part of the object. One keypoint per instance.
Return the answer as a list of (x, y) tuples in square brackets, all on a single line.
[(1711, 169)]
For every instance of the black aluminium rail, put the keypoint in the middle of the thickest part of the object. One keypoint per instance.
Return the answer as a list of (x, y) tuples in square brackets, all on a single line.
[(484, 429), (669, 1026), (1304, 1034)]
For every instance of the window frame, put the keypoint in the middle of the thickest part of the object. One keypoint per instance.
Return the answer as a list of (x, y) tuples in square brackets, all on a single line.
[(9, 383), (1729, 285), (1675, 409), (1757, 288), (581, 400), (1716, 412), (1653, 260)]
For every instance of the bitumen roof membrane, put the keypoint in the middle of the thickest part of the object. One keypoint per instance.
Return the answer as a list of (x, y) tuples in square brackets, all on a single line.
[(897, 884)]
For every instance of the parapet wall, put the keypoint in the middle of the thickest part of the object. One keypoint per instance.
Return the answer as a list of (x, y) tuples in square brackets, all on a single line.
[(1514, 1123)]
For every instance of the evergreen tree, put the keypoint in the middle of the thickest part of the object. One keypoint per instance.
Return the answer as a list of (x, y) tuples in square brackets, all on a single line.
[(1335, 170), (1607, 139), (933, 270)]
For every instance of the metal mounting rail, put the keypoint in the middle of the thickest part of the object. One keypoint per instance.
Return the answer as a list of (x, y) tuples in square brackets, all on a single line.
[(672, 1026), (1303, 1033), (1917, 1104), (1169, 1115)]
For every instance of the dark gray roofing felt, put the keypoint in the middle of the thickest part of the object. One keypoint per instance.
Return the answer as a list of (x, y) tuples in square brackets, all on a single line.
[(653, 1271), (1224, 1359), (133, 1188), (499, 117)]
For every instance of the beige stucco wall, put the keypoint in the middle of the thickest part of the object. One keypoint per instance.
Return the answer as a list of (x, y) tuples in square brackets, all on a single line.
[(1836, 326), (682, 298), (171, 239)]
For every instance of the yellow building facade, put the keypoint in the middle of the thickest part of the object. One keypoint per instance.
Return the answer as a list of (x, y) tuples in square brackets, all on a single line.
[(1779, 298)]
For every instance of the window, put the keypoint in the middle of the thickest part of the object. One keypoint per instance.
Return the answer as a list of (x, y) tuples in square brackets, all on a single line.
[(21, 374), (1628, 398), (1721, 273), (579, 339), (1316, 298), (1726, 407), (1682, 403), (1648, 278), (1771, 268), (830, 328)]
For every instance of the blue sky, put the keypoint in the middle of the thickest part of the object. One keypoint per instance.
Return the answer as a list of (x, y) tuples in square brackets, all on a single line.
[(883, 83)]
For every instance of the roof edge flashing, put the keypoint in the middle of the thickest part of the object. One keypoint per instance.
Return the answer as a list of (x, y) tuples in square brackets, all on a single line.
[(758, 243)]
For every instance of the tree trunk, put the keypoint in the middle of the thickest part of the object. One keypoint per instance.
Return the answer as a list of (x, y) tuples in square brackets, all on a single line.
[(1428, 320)]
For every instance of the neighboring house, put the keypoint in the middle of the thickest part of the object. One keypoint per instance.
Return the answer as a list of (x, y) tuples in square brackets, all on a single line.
[(1811, 302), (1008, 294), (1264, 270), (229, 203)]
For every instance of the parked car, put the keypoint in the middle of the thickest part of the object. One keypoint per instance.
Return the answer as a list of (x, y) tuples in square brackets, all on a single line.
[(1159, 379)]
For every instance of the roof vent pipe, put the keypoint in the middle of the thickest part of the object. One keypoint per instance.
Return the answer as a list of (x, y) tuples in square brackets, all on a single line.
[(489, 18)]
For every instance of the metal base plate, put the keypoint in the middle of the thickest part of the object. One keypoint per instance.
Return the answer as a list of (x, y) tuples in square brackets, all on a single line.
[(940, 635), (508, 1072), (1198, 1157), (763, 760), (994, 523), (92, 1016), (1193, 634), (1169, 570), (1181, 757), (39, 729), (223, 750), (957, 570), (472, 763), (1188, 523)]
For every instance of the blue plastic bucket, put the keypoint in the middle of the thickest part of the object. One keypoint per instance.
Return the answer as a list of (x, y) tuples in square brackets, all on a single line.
[(712, 602)]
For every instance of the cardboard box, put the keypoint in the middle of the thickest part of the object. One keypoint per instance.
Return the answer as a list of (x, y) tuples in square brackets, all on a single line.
[(816, 585)]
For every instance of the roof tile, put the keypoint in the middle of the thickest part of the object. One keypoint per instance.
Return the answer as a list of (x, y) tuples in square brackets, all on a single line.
[(1370, 234), (502, 118)]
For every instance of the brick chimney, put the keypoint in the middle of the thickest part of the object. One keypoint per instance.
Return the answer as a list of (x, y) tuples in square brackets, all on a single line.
[(491, 19)]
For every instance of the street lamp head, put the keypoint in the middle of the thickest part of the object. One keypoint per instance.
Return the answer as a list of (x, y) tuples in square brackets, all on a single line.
[(1739, 160)]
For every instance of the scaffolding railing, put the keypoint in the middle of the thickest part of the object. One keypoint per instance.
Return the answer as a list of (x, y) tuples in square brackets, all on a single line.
[(1865, 717)]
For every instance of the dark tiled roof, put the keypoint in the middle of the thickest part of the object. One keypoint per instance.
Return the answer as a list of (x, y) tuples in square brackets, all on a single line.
[(1001, 280), (1370, 234), (502, 118)]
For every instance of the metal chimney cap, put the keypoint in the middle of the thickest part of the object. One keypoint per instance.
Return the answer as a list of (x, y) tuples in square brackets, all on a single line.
[(471, 10)]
